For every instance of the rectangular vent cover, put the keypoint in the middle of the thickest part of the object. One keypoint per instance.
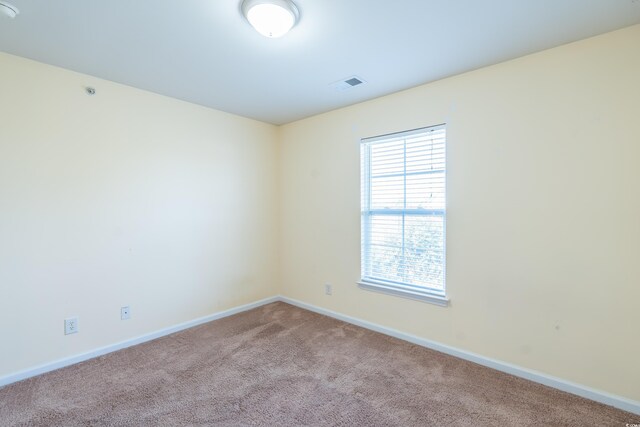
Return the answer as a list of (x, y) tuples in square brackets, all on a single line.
[(347, 83)]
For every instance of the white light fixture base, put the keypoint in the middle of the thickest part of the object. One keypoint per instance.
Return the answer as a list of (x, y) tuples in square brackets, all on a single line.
[(271, 18), (8, 9)]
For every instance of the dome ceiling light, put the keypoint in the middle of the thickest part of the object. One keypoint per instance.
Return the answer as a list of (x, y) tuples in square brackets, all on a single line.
[(271, 18), (8, 9)]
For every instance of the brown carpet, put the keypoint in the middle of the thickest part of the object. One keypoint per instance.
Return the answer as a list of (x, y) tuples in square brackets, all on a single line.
[(281, 365)]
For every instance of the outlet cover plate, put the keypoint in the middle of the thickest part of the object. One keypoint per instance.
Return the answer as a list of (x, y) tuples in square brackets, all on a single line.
[(70, 325), (125, 313), (328, 289)]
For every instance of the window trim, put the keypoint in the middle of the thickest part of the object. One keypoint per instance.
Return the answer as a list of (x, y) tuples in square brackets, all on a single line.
[(397, 290), (420, 293)]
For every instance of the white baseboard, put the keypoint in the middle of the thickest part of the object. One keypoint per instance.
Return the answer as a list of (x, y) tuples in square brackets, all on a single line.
[(61, 363), (560, 384), (538, 377)]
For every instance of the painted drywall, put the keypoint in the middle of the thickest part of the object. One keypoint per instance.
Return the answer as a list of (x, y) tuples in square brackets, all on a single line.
[(543, 213), (123, 198), (130, 198)]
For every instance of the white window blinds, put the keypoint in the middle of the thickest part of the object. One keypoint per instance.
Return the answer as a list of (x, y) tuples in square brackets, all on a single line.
[(403, 210)]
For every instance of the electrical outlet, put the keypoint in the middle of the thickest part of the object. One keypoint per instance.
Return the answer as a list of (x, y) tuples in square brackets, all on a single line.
[(70, 325), (327, 289), (125, 313)]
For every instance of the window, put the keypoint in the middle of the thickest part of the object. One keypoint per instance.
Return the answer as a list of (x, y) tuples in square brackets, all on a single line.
[(403, 214)]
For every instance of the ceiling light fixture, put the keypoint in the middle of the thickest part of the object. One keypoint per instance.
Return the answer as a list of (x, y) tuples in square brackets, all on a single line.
[(8, 9), (271, 18)]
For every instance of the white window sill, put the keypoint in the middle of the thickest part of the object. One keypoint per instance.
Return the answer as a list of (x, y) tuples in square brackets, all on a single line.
[(442, 301)]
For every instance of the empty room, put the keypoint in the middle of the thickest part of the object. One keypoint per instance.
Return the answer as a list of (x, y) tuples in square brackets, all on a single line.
[(320, 213)]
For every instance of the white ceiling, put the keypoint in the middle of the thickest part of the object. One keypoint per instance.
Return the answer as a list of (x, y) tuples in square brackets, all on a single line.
[(203, 51)]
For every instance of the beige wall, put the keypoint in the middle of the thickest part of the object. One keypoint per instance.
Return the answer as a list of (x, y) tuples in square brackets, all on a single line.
[(123, 198), (543, 224), (132, 198)]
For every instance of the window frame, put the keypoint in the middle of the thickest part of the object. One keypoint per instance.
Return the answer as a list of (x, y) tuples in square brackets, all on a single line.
[(407, 290)]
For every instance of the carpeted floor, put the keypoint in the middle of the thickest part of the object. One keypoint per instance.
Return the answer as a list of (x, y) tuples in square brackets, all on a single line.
[(279, 365)]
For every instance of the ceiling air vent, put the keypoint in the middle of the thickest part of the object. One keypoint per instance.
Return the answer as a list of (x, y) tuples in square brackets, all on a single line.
[(347, 83)]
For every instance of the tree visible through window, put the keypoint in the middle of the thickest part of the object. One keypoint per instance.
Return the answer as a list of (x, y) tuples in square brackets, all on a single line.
[(403, 211)]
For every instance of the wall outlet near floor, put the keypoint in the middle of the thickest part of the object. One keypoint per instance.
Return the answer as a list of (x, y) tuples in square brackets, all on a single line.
[(327, 289), (70, 325), (125, 313)]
